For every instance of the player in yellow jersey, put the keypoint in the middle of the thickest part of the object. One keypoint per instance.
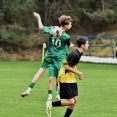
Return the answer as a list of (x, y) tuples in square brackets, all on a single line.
[(67, 81)]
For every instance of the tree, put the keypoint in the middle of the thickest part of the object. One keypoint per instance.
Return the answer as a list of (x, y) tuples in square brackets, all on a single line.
[(100, 16), (46, 12), (16, 16)]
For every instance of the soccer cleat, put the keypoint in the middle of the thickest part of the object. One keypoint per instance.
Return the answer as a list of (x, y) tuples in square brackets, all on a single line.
[(26, 93), (49, 108)]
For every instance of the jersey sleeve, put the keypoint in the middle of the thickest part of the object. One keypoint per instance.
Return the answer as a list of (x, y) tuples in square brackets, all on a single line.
[(46, 29), (68, 42), (72, 60)]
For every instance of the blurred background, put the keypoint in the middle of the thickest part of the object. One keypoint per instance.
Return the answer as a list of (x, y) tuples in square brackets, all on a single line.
[(20, 39)]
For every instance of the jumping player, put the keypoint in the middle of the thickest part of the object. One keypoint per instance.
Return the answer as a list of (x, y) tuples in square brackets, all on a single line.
[(55, 53)]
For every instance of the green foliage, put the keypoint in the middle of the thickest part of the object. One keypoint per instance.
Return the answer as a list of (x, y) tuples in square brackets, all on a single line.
[(17, 20), (91, 14), (12, 37), (18, 12), (1, 15), (98, 17)]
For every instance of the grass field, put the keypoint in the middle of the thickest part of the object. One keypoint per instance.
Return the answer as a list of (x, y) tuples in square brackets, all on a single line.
[(97, 91)]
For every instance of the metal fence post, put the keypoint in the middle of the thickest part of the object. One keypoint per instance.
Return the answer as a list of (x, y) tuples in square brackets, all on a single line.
[(89, 47), (112, 46)]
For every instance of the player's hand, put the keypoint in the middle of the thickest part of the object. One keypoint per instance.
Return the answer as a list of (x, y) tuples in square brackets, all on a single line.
[(36, 15), (71, 45), (80, 74), (80, 78)]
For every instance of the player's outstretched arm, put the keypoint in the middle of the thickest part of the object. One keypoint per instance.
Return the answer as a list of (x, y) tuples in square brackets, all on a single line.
[(37, 16)]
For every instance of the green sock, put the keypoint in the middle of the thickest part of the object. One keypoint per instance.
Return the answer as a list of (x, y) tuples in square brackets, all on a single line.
[(49, 91), (31, 85)]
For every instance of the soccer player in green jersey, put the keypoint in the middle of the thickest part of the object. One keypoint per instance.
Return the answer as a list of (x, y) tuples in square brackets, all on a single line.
[(67, 81), (55, 53)]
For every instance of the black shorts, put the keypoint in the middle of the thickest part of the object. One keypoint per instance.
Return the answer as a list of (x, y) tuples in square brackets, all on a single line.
[(68, 90)]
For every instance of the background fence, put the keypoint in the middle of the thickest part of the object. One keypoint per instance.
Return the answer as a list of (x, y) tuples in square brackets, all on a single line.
[(102, 46)]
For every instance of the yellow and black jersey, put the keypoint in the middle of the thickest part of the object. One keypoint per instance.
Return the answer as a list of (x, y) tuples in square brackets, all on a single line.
[(72, 60)]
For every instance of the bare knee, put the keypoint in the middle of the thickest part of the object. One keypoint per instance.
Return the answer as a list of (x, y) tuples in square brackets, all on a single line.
[(75, 100), (72, 102), (50, 80)]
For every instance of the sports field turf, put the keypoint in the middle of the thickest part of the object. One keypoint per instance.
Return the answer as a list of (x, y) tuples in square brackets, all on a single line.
[(97, 91)]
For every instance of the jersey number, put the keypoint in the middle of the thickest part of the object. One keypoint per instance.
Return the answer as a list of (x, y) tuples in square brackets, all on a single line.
[(56, 42)]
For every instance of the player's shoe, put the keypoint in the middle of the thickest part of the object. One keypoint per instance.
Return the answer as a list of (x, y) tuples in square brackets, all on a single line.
[(26, 93), (58, 97), (49, 108)]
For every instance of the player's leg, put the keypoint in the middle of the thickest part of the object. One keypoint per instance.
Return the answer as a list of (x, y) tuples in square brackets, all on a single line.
[(67, 92), (58, 90), (51, 75), (33, 82), (70, 108), (50, 81), (44, 66), (70, 102)]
